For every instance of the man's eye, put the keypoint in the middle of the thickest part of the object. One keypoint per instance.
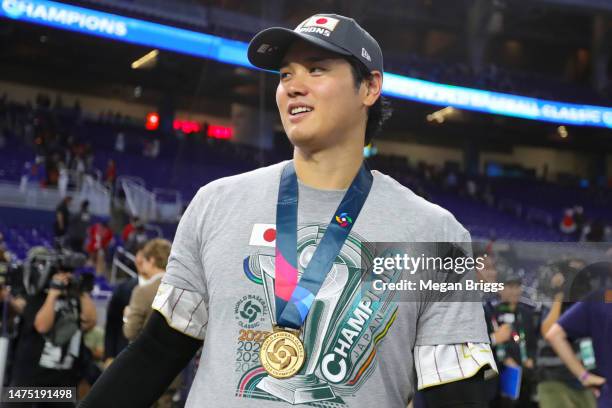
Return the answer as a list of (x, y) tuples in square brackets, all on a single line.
[(284, 75), (316, 69)]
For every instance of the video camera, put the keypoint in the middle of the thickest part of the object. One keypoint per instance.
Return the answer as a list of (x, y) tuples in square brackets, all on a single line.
[(42, 263)]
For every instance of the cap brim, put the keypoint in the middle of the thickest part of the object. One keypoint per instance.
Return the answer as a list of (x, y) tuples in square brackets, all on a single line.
[(268, 48)]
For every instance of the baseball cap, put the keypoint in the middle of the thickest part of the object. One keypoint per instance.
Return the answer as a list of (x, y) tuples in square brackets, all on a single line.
[(332, 32)]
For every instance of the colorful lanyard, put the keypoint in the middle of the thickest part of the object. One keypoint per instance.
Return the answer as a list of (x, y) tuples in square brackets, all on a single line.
[(293, 298)]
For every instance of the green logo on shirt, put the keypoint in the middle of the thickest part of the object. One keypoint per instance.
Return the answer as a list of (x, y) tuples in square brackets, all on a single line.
[(250, 311)]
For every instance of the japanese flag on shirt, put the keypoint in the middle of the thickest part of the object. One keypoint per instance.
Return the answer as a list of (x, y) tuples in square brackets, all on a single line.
[(263, 235)]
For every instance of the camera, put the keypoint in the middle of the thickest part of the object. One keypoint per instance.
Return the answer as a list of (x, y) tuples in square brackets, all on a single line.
[(42, 263)]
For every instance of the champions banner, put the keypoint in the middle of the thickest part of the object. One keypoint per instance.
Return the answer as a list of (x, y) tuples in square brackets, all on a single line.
[(115, 27)]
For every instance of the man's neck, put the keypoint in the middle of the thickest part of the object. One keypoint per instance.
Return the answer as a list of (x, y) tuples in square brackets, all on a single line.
[(330, 169)]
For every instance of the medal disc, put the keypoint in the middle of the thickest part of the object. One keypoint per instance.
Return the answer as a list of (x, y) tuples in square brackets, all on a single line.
[(282, 354)]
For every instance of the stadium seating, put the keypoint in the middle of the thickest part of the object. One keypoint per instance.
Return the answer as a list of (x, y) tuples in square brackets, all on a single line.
[(186, 163)]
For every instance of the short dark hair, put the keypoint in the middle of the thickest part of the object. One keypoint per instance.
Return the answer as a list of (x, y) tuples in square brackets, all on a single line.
[(377, 113)]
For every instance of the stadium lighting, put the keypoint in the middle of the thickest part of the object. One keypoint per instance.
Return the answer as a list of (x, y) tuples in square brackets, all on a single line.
[(186, 126), (146, 61), (220, 132), (159, 36), (152, 121), (441, 115)]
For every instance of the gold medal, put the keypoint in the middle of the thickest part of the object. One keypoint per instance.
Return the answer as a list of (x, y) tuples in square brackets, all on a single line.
[(282, 354)]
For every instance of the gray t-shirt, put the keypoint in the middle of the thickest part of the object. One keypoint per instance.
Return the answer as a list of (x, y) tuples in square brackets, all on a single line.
[(219, 285)]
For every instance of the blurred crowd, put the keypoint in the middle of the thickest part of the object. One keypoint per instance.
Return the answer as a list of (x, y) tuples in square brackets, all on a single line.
[(51, 317), (429, 181), (97, 238)]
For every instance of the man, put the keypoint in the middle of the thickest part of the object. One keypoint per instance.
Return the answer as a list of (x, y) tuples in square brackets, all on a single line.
[(153, 265), (515, 340), (49, 347), (77, 230), (591, 317), (62, 218), (232, 272), (114, 339), (154, 260), (557, 386)]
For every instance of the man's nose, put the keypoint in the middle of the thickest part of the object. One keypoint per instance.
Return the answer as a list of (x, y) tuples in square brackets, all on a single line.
[(296, 86)]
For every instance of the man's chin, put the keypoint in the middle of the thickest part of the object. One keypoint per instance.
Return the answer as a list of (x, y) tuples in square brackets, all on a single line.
[(301, 139)]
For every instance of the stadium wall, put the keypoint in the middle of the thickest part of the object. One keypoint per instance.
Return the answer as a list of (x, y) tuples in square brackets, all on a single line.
[(558, 161), (95, 105), (435, 155)]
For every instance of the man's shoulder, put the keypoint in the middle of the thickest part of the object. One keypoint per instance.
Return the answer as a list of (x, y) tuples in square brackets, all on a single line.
[(249, 180)]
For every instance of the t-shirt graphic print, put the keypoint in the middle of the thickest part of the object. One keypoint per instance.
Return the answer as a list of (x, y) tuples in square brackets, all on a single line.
[(340, 334)]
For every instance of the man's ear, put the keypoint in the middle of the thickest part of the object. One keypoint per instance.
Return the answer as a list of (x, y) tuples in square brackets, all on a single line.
[(373, 88)]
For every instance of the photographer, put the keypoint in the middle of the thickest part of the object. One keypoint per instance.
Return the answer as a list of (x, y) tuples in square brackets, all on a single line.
[(515, 338), (49, 346), (557, 386)]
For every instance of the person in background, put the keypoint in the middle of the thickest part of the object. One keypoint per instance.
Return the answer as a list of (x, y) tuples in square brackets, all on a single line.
[(514, 338), (114, 339), (63, 179), (62, 218), (100, 238), (498, 334), (568, 224), (579, 218), (77, 231), (49, 347), (111, 174), (137, 237), (120, 142), (130, 228), (153, 266), (591, 317), (119, 215), (557, 386)]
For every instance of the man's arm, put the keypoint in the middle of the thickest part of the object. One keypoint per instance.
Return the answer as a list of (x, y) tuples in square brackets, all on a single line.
[(45, 318), (143, 371), (89, 316), (557, 338), (135, 314), (553, 315)]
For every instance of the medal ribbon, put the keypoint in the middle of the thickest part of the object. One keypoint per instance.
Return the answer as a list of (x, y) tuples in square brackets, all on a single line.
[(293, 299)]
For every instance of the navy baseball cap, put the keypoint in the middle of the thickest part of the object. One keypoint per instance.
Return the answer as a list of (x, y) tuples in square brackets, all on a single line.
[(332, 32)]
